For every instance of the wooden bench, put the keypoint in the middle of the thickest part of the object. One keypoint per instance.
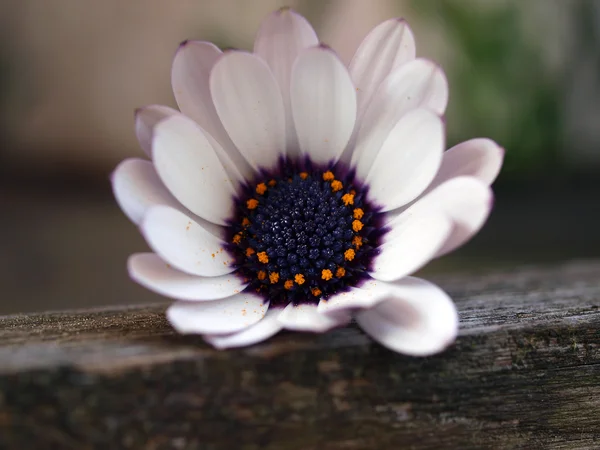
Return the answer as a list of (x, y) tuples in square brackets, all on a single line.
[(523, 374)]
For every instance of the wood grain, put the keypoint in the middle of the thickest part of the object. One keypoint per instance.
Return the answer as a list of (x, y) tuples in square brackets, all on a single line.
[(524, 374)]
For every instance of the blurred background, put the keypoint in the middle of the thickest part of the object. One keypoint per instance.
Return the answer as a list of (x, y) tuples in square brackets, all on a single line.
[(525, 73)]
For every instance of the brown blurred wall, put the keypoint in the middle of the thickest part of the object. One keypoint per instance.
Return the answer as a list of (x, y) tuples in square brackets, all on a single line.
[(79, 68)]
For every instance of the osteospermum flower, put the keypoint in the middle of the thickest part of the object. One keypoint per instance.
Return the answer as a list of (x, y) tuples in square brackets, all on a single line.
[(293, 192)]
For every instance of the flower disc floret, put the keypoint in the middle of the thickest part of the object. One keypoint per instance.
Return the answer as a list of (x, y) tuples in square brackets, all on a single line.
[(300, 227)]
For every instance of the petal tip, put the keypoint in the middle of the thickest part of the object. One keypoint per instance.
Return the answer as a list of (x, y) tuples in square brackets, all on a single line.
[(214, 343), (287, 11), (502, 151), (111, 176), (131, 259), (491, 200)]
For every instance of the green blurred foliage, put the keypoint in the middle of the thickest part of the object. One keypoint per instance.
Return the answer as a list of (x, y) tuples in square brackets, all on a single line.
[(500, 87)]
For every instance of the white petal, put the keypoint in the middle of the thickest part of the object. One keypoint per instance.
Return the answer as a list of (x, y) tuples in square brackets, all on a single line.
[(190, 81), (407, 162), (417, 319), (281, 37), (417, 84), (188, 165), (465, 201), (190, 75), (137, 187), (367, 295), (150, 116), (249, 104), (388, 46), (307, 318), (480, 158), (145, 120), (219, 317), (410, 244), (323, 104), (153, 273), (185, 244), (265, 328)]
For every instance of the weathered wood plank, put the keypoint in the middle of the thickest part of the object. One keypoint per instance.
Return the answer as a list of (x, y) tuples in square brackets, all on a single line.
[(524, 374)]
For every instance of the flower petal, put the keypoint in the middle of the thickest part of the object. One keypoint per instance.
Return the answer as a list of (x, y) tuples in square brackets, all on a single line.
[(148, 117), (467, 202), (190, 75), (416, 84), (137, 187), (219, 317), (407, 161), (183, 243), (323, 104), (414, 239), (480, 158), (249, 104), (417, 319), (265, 328), (281, 37), (367, 295), (190, 168), (153, 273), (388, 46), (308, 318), (145, 120)]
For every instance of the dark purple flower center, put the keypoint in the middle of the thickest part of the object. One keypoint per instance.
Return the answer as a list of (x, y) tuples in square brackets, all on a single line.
[(303, 235)]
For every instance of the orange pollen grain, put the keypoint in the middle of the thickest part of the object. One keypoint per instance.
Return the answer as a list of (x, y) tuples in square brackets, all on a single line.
[(272, 183), (299, 278), (348, 199), (326, 274), (357, 225), (349, 254), (357, 241), (273, 277), (358, 213), (261, 275), (316, 291), (303, 175), (328, 176), (245, 222), (263, 257), (249, 252), (340, 272), (336, 185), (252, 203), (289, 284), (261, 188), (237, 238)]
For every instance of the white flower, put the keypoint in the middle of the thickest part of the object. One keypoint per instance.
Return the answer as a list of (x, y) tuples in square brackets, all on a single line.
[(292, 192)]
